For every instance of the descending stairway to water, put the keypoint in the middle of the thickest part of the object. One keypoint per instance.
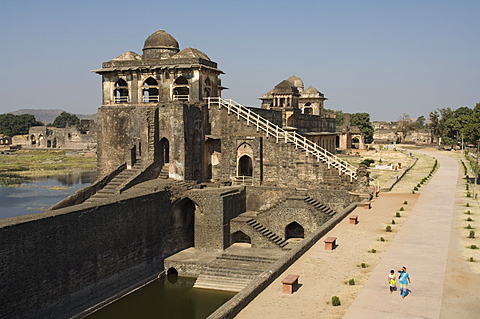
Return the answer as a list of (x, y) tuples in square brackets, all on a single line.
[(233, 272)]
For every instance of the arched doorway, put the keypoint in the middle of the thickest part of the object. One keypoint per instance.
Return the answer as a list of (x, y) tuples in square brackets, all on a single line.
[(245, 167), (294, 230), (165, 150)]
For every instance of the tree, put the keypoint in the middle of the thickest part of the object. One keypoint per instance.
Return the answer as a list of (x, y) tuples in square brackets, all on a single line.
[(471, 130), (17, 124), (338, 116), (65, 119), (420, 122), (362, 121), (405, 124)]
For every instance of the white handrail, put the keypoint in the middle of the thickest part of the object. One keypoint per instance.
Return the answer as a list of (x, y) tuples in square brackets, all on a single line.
[(280, 134)]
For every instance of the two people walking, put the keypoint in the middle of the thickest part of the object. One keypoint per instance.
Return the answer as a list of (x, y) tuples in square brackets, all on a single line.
[(403, 279)]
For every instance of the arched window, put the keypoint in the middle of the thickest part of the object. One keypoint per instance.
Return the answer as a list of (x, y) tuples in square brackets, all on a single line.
[(121, 91), (245, 167), (49, 143), (181, 89), (33, 141), (294, 230), (150, 91), (54, 144), (307, 108)]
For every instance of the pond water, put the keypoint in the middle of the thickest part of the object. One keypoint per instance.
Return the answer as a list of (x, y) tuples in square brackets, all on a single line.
[(38, 195), (168, 297)]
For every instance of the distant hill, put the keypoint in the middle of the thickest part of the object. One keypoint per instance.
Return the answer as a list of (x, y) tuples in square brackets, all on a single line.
[(48, 116)]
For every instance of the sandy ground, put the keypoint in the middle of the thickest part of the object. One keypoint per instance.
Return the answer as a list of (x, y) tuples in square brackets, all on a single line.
[(324, 274)]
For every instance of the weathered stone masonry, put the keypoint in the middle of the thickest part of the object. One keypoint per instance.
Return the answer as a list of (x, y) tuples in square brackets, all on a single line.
[(174, 157)]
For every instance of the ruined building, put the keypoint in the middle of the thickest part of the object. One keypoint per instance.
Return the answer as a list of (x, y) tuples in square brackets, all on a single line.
[(82, 136), (181, 170)]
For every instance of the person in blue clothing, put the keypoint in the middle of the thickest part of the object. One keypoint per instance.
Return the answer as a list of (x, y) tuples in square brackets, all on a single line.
[(404, 280)]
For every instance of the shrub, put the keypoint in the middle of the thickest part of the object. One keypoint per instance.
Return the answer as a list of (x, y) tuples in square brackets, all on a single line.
[(471, 260), (469, 226), (351, 282), (402, 209), (382, 239), (393, 221), (335, 301), (468, 194), (472, 234), (363, 265), (469, 219), (467, 205), (415, 188), (388, 229), (473, 247), (468, 212), (467, 187), (373, 251), (405, 202), (413, 192), (398, 215)]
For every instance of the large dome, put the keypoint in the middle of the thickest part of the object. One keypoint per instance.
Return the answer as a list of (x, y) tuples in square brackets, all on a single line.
[(160, 40)]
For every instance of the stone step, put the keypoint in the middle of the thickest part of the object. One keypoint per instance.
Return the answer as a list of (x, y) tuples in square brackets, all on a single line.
[(233, 266), (229, 280), (268, 260)]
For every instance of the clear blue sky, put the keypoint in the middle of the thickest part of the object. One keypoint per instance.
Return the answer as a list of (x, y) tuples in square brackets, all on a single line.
[(384, 57)]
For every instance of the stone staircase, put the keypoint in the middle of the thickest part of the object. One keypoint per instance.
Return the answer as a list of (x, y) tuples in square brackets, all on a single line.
[(113, 187), (164, 172), (232, 272), (280, 135), (327, 210), (274, 238)]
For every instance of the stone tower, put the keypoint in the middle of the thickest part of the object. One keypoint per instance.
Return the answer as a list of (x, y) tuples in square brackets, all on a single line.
[(153, 104)]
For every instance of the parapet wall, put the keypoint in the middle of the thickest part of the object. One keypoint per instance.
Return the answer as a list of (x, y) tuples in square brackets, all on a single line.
[(59, 263)]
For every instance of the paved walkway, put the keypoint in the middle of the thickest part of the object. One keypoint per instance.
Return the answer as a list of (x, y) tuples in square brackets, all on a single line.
[(421, 245)]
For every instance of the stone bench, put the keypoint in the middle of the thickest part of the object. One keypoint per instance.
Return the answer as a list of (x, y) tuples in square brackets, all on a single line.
[(289, 284), (330, 243), (367, 205), (353, 219)]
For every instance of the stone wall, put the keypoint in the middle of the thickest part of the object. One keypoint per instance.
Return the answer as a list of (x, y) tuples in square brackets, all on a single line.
[(58, 263), (274, 164)]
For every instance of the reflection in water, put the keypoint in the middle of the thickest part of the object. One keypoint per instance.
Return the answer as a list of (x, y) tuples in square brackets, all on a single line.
[(35, 196), (164, 299)]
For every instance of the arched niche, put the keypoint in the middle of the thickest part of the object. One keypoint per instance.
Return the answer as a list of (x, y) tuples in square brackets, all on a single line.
[(294, 230), (240, 237), (183, 221)]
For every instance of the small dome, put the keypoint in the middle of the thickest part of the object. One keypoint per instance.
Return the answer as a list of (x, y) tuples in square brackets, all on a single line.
[(160, 40), (129, 55), (296, 81), (191, 53)]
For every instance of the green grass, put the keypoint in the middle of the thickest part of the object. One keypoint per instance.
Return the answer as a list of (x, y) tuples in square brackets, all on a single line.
[(44, 162)]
